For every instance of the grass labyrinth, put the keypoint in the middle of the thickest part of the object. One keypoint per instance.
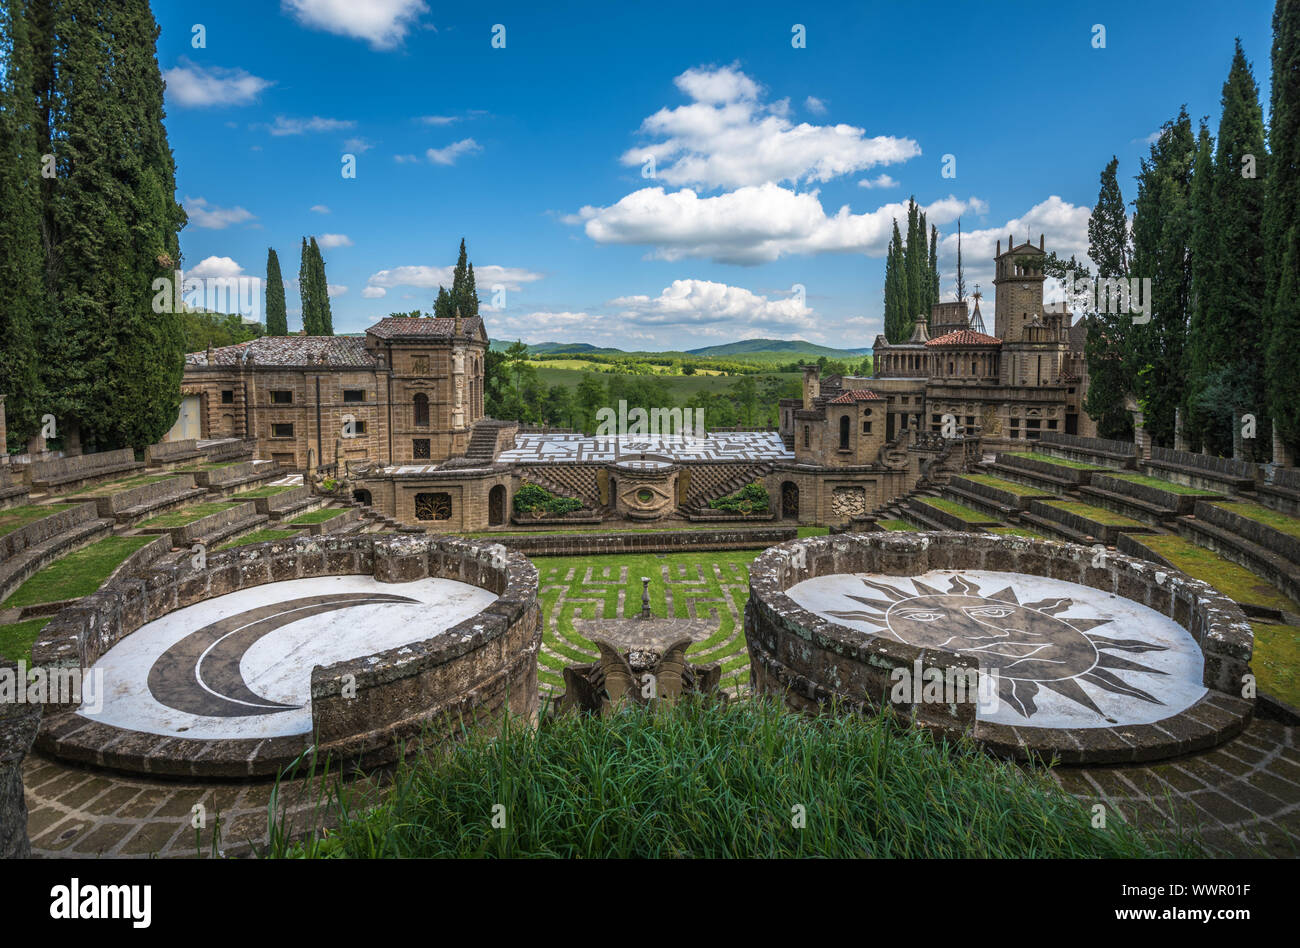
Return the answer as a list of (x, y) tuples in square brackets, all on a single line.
[(713, 586)]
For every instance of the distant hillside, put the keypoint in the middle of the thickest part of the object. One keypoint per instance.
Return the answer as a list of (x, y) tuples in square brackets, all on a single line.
[(748, 348), (792, 346)]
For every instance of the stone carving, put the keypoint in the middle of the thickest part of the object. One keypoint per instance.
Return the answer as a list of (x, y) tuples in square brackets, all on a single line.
[(848, 502), (637, 677)]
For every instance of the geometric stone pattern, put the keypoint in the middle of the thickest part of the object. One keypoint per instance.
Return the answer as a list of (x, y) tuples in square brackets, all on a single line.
[(719, 446)]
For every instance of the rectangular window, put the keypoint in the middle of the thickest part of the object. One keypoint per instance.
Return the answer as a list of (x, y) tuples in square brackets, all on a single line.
[(866, 427), (354, 395), (227, 397), (420, 449), (1051, 425), (282, 397), (282, 430), (358, 428)]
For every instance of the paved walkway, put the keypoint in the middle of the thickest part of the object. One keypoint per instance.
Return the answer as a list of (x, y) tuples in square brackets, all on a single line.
[(1244, 796)]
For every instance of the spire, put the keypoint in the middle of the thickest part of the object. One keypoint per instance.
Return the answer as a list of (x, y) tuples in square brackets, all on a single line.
[(919, 332), (976, 320), (456, 330)]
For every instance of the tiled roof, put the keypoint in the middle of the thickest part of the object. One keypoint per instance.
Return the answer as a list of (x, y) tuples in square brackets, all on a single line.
[(422, 327), (964, 337), (342, 351), (854, 395)]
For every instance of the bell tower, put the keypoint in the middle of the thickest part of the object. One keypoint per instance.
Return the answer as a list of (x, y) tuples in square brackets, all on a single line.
[(1019, 284)]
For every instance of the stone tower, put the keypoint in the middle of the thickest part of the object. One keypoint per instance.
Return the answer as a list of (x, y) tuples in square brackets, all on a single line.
[(1019, 290)]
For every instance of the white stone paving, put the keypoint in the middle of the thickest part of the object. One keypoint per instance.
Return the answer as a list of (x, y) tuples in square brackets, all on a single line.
[(731, 446)]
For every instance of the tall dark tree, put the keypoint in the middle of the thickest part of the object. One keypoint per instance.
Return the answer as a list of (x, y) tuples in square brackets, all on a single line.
[(1161, 236), (933, 269), (22, 277), (277, 319), (1205, 352), (305, 287), (469, 295), (321, 292), (898, 320), (443, 307), (1110, 372), (1282, 227), (961, 278)]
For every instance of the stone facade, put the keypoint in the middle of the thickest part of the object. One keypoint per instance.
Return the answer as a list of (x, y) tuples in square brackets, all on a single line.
[(410, 389)]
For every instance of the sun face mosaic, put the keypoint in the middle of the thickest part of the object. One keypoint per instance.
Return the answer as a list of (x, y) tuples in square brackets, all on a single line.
[(1064, 655)]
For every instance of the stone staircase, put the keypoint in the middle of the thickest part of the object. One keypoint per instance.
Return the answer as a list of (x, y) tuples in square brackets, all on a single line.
[(482, 445), (700, 503)]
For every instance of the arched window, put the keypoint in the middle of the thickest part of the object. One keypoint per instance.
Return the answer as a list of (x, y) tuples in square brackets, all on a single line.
[(844, 432), (421, 402)]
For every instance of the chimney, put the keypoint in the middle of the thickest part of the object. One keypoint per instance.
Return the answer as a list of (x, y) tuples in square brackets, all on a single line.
[(812, 385), (1040, 243), (999, 253), (456, 330), (211, 353), (1011, 241)]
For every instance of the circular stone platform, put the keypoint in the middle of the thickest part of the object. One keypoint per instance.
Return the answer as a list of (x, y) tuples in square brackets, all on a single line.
[(346, 647), (239, 666), (1030, 647)]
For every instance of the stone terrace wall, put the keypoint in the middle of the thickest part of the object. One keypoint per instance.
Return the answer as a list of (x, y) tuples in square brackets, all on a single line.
[(38, 531), (473, 671), (812, 661), (18, 725), (86, 465), (1243, 470), (1096, 445), (673, 541)]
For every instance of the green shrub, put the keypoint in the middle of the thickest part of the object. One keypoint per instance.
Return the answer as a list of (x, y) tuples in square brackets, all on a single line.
[(750, 499), (530, 498), (697, 780)]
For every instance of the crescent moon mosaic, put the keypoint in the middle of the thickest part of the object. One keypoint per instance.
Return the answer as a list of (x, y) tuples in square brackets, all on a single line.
[(1066, 655)]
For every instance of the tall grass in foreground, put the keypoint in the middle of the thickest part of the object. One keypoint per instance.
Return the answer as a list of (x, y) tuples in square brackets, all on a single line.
[(696, 780)]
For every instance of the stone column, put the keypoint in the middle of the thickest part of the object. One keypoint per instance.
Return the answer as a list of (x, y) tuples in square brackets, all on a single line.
[(458, 386), (18, 725), (1180, 438), (1238, 443), (1141, 437), (1282, 453)]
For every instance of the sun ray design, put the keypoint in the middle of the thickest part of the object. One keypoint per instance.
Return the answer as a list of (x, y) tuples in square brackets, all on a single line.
[(1031, 646)]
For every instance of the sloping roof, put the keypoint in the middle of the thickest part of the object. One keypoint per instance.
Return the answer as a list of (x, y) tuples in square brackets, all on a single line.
[(421, 327), (854, 395), (342, 351), (964, 337)]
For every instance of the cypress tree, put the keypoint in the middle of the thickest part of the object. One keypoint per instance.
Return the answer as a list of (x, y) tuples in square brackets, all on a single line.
[(22, 279), (1110, 373), (912, 265), (459, 277), (277, 319), (320, 293), (934, 267), (443, 308), (1282, 226), (469, 303), (1205, 353), (961, 279), (1161, 235), (306, 285), (898, 318)]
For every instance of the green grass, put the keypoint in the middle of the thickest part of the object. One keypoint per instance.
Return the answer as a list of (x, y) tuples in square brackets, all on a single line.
[(16, 640), (712, 586), (1283, 523), (1011, 487), (267, 491), (319, 516), (179, 518), (1276, 662), (112, 487), (813, 532), (1158, 484), (898, 525), (261, 536), (623, 528), (1059, 462), (77, 574), (1236, 582), (1095, 514), (961, 511), (695, 780), (1017, 532), (15, 518)]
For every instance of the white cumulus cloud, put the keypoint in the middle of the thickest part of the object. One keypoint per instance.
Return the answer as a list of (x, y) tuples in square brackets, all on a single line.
[(215, 267), (382, 23), (448, 155), (192, 85), (512, 278), (326, 241), (298, 126), (204, 214)]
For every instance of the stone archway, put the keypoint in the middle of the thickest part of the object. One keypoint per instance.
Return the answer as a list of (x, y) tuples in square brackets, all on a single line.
[(790, 501), (362, 496), (497, 506)]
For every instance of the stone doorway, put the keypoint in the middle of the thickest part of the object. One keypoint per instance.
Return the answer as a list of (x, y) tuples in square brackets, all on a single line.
[(790, 501), (497, 506)]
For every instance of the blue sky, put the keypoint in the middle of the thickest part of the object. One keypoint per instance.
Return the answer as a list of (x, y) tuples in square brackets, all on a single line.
[(775, 167)]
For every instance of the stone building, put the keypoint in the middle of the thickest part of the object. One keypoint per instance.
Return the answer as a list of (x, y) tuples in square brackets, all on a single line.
[(408, 390), (1030, 376)]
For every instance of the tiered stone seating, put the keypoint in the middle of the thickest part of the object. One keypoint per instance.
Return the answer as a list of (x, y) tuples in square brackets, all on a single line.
[(1054, 475), (1107, 453), (284, 504), (232, 478), (227, 449), (1197, 470), (1263, 540), (65, 474), (134, 504), (167, 454), (948, 514), (346, 520), (209, 528), (13, 489), (1282, 492), (32, 547), (984, 492), (1151, 500), (1079, 522)]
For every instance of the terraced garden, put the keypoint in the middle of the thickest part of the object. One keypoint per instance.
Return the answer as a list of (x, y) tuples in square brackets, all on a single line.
[(1057, 462), (1147, 481), (1097, 514), (179, 518), (16, 639), (17, 517), (317, 516), (960, 511), (708, 586), (77, 574), (1265, 515)]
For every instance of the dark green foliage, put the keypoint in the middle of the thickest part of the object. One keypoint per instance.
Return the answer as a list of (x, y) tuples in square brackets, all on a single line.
[(1161, 237), (1111, 374), (442, 305), (277, 320), (533, 499), (898, 323), (314, 288), (750, 499), (698, 780), (109, 366), (1282, 227), (911, 275), (201, 329)]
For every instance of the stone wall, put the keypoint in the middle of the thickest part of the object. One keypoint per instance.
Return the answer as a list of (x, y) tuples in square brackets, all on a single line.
[(473, 671), (62, 472), (674, 541), (18, 725), (812, 661)]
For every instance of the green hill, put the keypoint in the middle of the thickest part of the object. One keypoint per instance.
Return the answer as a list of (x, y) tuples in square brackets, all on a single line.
[(784, 346)]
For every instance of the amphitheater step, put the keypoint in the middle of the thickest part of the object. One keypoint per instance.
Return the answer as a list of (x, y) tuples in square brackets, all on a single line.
[(954, 515), (1085, 520), (24, 563)]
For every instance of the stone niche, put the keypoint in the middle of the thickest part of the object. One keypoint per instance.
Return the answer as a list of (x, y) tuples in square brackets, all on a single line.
[(361, 708), (812, 659), (644, 489)]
